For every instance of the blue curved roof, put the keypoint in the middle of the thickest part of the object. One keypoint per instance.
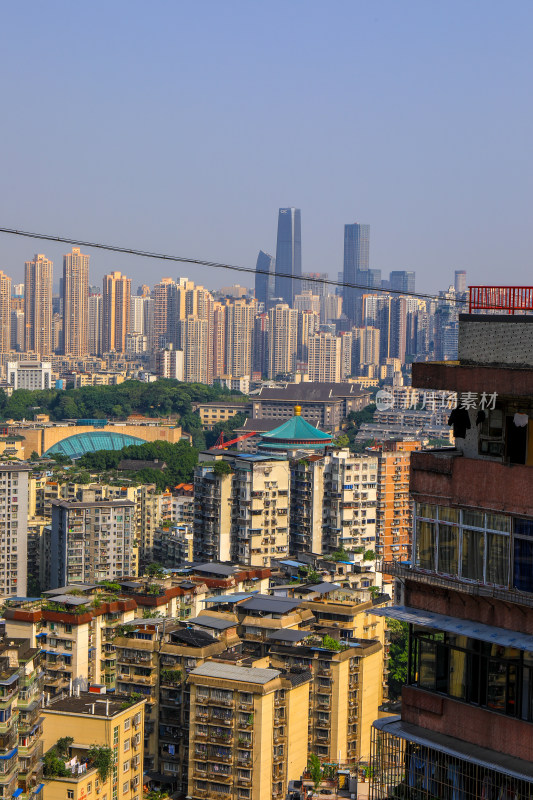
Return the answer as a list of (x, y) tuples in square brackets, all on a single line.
[(79, 444)]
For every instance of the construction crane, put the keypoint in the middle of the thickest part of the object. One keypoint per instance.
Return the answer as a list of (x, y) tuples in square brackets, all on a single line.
[(220, 444)]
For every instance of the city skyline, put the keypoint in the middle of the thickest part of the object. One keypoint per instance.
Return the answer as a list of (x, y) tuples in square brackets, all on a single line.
[(428, 157)]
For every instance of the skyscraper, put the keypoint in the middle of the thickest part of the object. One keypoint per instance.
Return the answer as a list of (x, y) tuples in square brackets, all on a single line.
[(265, 278), (288, 254), (115, 312), (5, 313), (75, 303), (402, 280), (356, 260), (38, 305), (460, 281)]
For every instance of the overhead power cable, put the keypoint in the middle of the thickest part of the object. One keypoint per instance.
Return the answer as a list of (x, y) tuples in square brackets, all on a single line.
[(219, 265)]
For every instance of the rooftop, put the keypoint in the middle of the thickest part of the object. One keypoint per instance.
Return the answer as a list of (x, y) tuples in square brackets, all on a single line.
[(213, 669), (206, 621), (295, 432), (311, 392), (89, 703), (270, 604), (96, 504)]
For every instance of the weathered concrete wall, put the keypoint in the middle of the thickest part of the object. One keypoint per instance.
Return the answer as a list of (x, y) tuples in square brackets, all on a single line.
[(496, 340), (468, 723), (473, 483)]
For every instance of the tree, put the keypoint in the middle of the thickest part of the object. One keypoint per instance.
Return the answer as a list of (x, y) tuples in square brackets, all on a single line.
[(221, 468), (53, 765), (102, 758), (398, 655), (155, 570), (342, 441), (314, 769), (63, 744)]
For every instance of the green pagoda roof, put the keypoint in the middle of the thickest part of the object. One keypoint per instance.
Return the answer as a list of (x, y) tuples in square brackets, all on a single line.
[(295, 433)]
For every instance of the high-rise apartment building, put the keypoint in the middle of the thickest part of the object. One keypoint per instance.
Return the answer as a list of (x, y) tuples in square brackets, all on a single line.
[(307, 301), (265, 279), (5, 313), (92, 541), (75, 303), (394, 518), (356, 260), (38, 305), (115, 312), (17, 330), (194, 336), (308, 322), (218, 343), (230, 522), (94, 323), (325, 357), (333, 507), (137, 314), (467, 592), (365, 350), (282, 340), (239, 332), (21, 745), (288, 254), (330, 308), (246, 736), (260, 354), (166, 316), (13, 529), (377, 312)]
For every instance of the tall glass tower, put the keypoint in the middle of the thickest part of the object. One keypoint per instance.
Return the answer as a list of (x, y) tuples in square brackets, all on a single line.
[(288, 254), (264, 278), (356, 260)]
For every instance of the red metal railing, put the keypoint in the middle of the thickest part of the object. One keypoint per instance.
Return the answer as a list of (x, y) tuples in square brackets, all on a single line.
[(501, 298)]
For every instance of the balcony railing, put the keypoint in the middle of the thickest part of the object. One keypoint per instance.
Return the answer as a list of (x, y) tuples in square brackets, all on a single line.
[(401, 569), (501, 298)]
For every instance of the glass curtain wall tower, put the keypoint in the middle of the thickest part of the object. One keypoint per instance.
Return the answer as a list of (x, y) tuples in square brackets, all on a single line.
[(288, 254), (356, 261)]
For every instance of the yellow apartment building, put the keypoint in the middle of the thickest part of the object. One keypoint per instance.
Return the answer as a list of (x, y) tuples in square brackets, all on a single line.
[(95, 719), (246, 738)]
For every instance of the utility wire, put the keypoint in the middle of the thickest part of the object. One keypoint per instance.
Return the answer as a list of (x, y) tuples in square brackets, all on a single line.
[(200, 262)]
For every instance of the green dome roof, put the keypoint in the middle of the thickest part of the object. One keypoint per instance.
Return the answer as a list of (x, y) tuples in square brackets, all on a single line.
[(295, 433)]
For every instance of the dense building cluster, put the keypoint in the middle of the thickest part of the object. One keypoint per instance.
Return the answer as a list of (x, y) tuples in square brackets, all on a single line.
[(292, 323)]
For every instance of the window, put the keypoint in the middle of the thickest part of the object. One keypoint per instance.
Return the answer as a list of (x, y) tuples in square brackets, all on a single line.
[(115, 735), (127, 724), (125, 787), (70, 794), (468, 544), (89, 787), (126, 766), (480, 673), (126, 745)]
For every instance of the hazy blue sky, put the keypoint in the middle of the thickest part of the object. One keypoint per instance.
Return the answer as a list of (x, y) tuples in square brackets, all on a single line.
[(181, 127)]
